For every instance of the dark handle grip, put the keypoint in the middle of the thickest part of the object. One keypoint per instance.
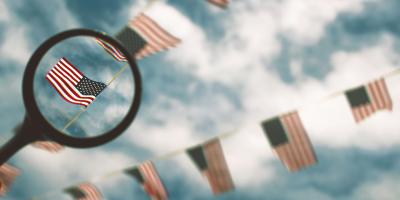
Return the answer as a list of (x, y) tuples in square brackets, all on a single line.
[(24, 134)]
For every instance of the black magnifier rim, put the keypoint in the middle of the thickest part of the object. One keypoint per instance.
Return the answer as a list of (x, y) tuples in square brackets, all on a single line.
[(39, 120)]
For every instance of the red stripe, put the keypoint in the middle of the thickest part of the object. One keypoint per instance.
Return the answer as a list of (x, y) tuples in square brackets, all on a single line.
[(71, 66), (65, 97)]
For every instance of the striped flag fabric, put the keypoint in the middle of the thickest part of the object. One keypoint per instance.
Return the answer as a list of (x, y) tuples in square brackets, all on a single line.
[(143, 36), (209, 159), (368, 99), (290, 142), (219, 3), (84, 191), (72, 84), (8, 173), (147, 175), (113, 51), (50, 146)]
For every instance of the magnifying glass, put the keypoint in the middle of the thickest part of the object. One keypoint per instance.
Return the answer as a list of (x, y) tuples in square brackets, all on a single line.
[(107, 98)]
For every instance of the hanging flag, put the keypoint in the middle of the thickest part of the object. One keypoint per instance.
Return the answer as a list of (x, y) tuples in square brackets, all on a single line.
[(368, 99), (114, 52), (143, 37), (219, 3), (72, 84), (85, 191), (147, 175), (50, 146), (289, 140), (210, 160), (8, 174)]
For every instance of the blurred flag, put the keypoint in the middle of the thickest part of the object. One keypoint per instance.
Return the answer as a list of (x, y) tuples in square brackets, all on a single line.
[(8, 174), (290, 141), (114, 52), (210, 160), (146, 174), (72, 85), (368, 99), (219, 3), (143, 37), (85, 191), (50, 146)]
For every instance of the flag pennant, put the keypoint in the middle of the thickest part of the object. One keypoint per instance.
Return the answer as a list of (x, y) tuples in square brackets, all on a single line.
[(147, 175), (50, 146), (143, 37), (290, 142), (8, 174), (85, 191), (113, 51), (219, 3), (209, 159), (72, 84), (368, 99)]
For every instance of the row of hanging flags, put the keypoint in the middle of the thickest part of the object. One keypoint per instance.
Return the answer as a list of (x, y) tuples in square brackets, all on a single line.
[(143, 37)]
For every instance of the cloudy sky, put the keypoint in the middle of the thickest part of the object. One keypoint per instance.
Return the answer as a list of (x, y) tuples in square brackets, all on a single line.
[(234, 68)]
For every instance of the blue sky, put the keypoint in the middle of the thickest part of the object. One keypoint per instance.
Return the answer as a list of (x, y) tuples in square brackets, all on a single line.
[(234, 68)]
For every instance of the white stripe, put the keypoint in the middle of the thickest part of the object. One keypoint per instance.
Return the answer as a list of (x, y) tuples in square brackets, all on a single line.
[(79, 98), (55, 84)]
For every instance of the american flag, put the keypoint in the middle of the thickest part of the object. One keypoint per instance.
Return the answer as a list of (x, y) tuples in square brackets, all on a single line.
[(157, 39), (84, 191), (290, 141), (119, 56), (8, 174), (50, 146), (368, 99), (219, 3), (210, 159), (72, 85), (152, 182)]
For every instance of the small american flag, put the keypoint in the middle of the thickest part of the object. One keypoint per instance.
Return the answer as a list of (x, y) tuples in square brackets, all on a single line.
[(290, 141), (152, 182), (368, 99), (72, 85), (219, 3), (85, 191), (50, 146), (210, 159), (157, 39), (112, 50), (8, 174)]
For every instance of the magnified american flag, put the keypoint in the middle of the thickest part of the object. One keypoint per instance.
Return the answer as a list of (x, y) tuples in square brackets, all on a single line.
[(72, 84)]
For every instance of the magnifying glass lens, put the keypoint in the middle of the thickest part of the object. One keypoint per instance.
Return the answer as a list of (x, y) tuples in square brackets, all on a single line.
[(81, 89)]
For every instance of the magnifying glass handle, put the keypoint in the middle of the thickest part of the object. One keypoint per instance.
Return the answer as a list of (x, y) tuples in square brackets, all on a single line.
[(25, 134)]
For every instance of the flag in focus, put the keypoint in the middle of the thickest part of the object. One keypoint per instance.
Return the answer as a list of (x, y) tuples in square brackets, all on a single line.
[(84, 191), (50, 146), (72, 84), (147, 175), (8, 174), (368, 99), (219, 3), (289, 140), (210, 160), (143, 37), (113, 51)]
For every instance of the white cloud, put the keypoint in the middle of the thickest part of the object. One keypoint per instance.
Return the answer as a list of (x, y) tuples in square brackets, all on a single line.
[(4, 15), (386, 187)]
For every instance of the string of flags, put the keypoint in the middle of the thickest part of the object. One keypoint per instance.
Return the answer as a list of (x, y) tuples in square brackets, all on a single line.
[(285, 132)]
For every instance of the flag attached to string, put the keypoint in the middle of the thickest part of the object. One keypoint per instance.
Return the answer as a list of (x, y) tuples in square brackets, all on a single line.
[(210, 160), (147, 175), (368, 99), (84, 191), (50, 146), (143, 37), (113, 51), (289, 140), (8, 174), (219, 3), (72, 84)]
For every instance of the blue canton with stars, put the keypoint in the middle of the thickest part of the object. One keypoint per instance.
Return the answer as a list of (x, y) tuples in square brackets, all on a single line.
[(89, 87)]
